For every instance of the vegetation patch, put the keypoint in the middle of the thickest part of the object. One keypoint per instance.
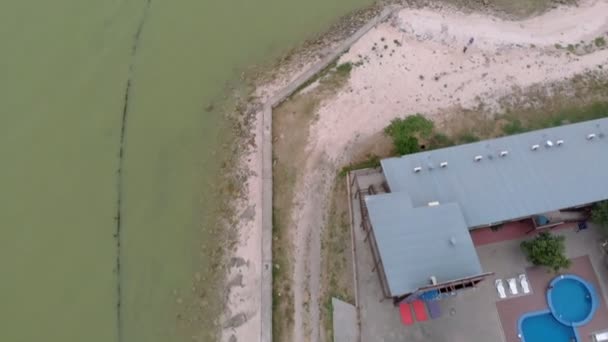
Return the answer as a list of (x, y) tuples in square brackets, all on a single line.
[(584, 98), (291, 122), (337, 267), (407, 133), (371, 162), (547, 250), (344, 69), (599, 215), (583, 47)]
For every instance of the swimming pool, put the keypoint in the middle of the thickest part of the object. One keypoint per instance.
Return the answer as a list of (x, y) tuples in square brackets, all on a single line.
[(541, 326), (572, 302)]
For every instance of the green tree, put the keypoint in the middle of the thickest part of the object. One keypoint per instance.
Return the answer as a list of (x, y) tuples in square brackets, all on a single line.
[(406, 132), (599, 215), (547, 250)]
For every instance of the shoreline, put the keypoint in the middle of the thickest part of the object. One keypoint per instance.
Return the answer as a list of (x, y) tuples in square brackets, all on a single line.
[(259, 186)]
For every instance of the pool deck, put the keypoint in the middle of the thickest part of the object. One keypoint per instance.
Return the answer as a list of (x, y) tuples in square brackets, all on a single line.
[(510, 310)]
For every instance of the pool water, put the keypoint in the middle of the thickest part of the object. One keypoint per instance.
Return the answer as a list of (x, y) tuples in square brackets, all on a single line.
[(543, 327), (570, 299), (572, 303)]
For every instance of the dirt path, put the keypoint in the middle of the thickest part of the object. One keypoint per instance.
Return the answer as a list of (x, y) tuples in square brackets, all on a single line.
[(417, 62)]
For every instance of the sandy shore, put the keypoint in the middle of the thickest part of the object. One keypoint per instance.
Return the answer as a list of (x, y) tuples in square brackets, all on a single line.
[(413, 62)]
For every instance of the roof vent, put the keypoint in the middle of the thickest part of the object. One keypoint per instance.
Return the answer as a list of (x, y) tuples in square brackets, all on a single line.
[(443, 164), (559, 142), (535, 147), (504, 153), (433, 204), (453, 241), (478, 158), (549, 143), (417, 169), (590, 136)]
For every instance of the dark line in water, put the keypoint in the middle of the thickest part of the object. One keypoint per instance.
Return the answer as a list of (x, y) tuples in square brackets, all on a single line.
[(119, 182)]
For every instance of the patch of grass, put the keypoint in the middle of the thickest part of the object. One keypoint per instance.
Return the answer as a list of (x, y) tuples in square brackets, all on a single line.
[(467, 138), (371, 162), (439, 140), (332, 74), (518, 8), (282, 295), (600, 42), (344, 69), (337, 273), (513, 126), (317, 77), (566, 114)]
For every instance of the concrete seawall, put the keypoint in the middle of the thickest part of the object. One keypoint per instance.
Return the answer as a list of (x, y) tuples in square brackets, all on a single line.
[(266, 226)]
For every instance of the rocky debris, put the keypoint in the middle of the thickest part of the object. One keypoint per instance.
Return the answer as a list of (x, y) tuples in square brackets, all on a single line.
[(237, 262), (236, 321), (236, 281)]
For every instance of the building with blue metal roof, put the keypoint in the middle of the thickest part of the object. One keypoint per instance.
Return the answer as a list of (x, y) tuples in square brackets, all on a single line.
[(419, 231)]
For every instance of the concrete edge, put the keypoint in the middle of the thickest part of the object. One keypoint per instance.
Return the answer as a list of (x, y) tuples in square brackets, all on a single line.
[(266, 282), (354, 253)]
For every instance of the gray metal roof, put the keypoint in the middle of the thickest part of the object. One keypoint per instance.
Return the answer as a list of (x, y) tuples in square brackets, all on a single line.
[(417, 243), (524, 182)]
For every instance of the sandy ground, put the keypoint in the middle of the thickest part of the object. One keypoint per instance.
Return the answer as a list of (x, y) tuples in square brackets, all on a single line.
[(422, 69)]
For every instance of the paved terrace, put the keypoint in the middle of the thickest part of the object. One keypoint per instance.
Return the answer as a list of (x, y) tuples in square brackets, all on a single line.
[(477, 315)]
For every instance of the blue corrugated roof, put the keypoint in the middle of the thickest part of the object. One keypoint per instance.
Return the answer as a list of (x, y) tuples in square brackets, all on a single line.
[(522, 183), (417, 243)]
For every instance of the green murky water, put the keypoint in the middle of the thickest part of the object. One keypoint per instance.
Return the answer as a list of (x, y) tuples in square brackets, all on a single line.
[(64, 67)]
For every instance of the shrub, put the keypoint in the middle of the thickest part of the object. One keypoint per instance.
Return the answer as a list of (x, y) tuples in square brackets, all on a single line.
[(344, 68), (599, 215), (411, 125), (600, 41), (406, 144), (406, 132), (547, 250)]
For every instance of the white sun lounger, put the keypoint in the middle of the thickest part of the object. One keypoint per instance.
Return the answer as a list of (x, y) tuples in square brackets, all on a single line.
[(523, 281), (601, 337), (512, 286), (501, 289)]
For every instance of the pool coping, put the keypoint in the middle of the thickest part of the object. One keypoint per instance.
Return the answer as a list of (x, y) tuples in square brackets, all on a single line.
[(590, 288), (538, 313)]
